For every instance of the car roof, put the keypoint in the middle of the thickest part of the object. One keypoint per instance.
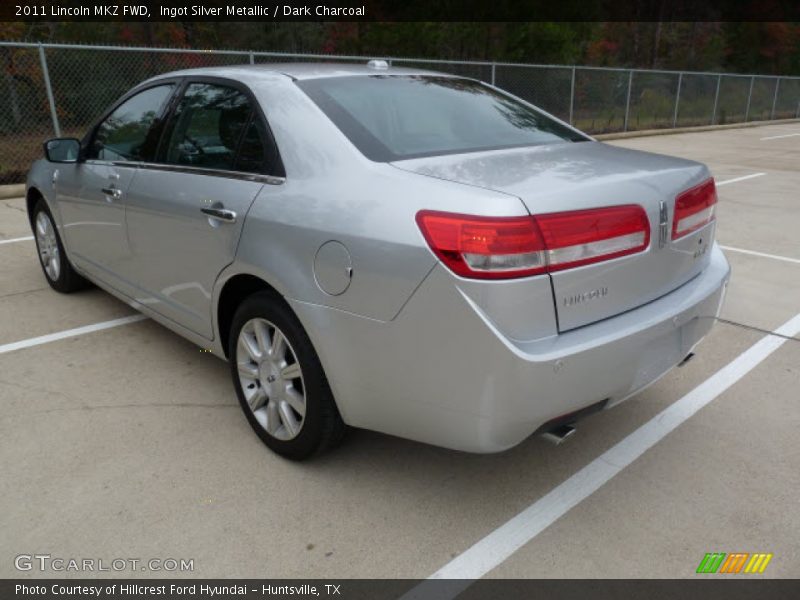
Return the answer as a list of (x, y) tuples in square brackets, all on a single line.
[(300, 71)]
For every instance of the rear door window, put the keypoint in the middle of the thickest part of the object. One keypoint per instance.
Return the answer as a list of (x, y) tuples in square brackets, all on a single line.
[(209, 122), (257, 152), (216, 127)]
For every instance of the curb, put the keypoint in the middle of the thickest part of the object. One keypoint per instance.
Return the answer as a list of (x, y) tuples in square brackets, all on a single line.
[(648, 132), (12, 191)]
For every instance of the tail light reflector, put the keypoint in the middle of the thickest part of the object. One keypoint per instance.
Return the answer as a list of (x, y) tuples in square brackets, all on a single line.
[(694, 209), (509, 247)]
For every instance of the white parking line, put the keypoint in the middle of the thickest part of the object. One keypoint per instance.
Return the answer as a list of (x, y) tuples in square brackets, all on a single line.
[(68, 333), (753, 252), (736, 179), (776, 137), (504, 541), (12, 240), (761, 254)]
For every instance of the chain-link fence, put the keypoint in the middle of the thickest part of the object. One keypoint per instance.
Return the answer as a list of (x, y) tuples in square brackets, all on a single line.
[(58, 89)]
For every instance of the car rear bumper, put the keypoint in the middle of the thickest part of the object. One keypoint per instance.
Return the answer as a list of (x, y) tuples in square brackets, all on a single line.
[(442, 373)]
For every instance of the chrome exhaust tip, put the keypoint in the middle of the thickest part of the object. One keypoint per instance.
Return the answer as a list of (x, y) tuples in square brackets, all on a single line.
[(559, 434)]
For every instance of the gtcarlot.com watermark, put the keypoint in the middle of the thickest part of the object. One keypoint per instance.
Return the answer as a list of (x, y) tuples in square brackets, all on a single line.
[(46, 563)]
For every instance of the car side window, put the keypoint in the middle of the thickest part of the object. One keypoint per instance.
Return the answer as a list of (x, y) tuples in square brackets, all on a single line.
[(257, 153), (130, 132), (210, 124)]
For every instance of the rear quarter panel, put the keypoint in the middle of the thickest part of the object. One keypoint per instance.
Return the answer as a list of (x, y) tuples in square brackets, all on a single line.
[(332, 192)]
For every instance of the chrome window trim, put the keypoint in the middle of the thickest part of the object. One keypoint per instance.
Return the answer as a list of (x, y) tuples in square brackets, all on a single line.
[(132, 164), (241, 175)]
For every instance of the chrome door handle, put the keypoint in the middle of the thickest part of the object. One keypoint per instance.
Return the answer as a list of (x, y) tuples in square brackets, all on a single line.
[(220, 213), (115, 193)]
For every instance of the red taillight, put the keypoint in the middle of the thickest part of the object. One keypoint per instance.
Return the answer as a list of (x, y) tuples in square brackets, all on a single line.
[(508, 247), (582, 237), (484, 247), (694, 209)]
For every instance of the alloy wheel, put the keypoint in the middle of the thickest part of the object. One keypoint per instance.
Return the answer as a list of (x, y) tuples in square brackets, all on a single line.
[(47, 243), (271, 378)]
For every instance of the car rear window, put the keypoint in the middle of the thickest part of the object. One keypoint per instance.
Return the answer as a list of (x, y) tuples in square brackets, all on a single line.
[(396, 117)]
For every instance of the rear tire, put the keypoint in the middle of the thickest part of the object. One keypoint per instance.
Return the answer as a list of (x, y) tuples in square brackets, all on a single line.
[(279, 380), (52, 257)]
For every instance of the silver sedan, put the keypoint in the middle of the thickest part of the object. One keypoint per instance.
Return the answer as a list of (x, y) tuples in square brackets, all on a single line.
[(400, 250)]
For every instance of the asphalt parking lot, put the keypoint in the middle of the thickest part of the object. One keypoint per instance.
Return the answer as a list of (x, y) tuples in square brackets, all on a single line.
[(128, 441)]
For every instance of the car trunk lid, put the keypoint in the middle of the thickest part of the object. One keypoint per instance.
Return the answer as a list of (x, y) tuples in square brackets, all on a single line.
[(588, 175)]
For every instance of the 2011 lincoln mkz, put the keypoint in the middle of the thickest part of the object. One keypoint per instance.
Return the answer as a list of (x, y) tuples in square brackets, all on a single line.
[(393, 249)]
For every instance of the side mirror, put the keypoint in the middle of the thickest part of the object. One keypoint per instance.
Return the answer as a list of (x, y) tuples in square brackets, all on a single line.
[(62, 150)]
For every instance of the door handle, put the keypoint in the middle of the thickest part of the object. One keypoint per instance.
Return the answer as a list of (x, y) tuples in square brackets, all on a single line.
[(221, 214), (115, 193)]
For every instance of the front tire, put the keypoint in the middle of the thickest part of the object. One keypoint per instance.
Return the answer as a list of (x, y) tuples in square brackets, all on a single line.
[(279, 380), (55, 265)]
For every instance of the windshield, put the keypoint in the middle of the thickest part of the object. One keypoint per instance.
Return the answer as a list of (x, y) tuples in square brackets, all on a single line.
[(395, 117)]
